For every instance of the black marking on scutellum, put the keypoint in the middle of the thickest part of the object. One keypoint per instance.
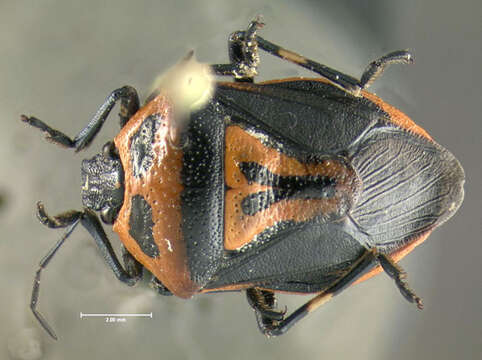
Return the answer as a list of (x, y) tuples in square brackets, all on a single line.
[(140, 226), (142, 153), (282, 187)]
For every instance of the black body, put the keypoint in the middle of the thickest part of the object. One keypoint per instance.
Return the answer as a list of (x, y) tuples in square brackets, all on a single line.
[(408, 185)]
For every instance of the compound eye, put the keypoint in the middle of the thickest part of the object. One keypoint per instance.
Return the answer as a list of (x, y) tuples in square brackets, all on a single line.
[(108, 215), (109, 151)]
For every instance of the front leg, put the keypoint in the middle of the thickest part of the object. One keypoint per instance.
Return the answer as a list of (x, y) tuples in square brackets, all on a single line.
[(129, 274), (129, 106)]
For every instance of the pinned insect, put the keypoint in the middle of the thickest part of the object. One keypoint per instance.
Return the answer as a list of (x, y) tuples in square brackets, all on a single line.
[(296, 185)]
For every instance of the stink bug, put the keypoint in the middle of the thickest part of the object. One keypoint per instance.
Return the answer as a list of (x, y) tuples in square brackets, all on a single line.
[(296, 185)]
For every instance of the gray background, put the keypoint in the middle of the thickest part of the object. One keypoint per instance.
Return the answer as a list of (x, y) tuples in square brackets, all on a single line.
[(58, 60)]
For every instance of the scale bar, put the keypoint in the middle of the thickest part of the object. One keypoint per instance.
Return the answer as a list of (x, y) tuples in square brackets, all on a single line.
[(82, 315)]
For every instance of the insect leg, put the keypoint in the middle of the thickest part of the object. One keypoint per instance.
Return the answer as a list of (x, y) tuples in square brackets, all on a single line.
[(263, 303), (376, 67), (398, 274), (133, 267), (346, 82), (243, 54), (159, 287), (42, 265), (364, 263), (129, 105), (58, 221), (92, 224), (71, 219)]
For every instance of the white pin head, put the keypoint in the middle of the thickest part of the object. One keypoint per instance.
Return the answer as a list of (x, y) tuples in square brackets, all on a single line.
[(189, 84)]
